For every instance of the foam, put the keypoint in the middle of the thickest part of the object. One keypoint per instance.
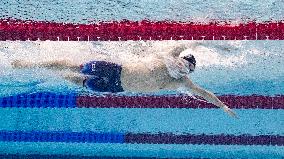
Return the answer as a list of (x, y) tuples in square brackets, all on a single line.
[(217, 54)]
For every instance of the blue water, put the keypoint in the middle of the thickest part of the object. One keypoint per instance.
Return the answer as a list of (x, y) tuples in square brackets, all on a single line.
[(228, 67), (89, 11), (236, 68)]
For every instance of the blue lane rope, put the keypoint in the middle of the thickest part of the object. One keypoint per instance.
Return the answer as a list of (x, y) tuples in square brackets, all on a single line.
[(61, 136), (39, 100), (142, 138)]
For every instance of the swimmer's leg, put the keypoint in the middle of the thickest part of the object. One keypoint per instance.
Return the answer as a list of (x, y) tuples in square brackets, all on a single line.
[(56, 65), (75, 78)]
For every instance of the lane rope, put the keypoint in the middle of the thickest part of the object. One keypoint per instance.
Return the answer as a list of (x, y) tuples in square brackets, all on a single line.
[(72, 100), (11, 29), (139, 138)]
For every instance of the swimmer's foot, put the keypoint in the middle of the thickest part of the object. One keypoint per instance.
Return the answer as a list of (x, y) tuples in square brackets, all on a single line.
[(19, 64)]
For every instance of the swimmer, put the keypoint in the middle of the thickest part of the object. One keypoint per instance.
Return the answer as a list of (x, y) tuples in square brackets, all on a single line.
[(169, 72)]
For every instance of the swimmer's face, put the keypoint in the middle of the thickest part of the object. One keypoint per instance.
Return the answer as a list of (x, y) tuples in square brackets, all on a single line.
[(191, 62)]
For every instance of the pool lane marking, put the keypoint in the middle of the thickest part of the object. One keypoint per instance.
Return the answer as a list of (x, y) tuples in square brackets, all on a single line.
[(235, 102), (139, 30), (72, 100), (139, 138)]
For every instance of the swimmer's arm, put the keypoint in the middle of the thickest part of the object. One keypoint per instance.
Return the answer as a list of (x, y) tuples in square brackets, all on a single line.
[(63, 64), (75, 78), (210, 97), (177, 50), (57, 64)]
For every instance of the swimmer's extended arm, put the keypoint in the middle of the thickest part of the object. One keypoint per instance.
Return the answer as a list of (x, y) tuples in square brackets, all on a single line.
[(60, 64), (210, 97), (56, 64), (177, 50)]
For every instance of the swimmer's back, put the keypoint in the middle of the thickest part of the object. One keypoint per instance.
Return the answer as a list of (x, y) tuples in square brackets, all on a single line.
[(139, 77)]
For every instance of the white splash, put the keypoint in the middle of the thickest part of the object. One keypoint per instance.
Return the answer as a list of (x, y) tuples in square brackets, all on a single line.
[(217, 53)]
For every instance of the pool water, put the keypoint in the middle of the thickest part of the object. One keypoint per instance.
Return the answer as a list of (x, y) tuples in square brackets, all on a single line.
[(89, 11), (230, 67), (239, 68), (242, 68)]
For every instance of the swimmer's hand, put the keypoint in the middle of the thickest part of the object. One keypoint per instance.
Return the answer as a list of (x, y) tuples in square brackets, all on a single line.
[(210, 97), (230, 112)]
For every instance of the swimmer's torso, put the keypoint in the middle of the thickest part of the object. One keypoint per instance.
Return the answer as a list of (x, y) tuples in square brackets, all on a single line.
[(139, 77)]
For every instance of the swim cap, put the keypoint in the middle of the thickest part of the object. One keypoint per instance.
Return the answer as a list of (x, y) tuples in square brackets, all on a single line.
[(190, 58)]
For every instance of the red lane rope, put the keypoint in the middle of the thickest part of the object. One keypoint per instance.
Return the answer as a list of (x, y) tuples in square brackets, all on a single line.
[(236, 102), (139, 30), (71, 100)]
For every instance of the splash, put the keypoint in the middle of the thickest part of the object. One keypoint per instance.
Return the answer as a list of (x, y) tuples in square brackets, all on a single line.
[(221, 54), (220, 64)]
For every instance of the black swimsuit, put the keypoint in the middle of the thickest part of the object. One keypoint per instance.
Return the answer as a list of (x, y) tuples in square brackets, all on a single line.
[(103, 76)]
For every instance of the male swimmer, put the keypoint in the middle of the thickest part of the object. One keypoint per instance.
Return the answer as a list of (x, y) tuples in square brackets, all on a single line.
[(170, 72)]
